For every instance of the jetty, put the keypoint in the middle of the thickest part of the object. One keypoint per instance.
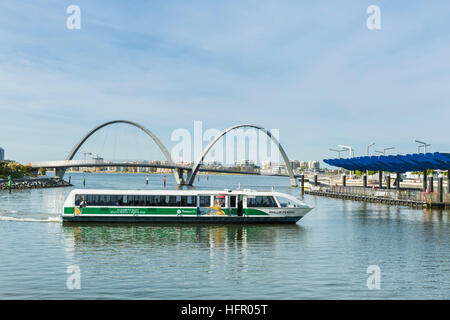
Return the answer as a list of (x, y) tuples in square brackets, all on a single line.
[(389, 185)]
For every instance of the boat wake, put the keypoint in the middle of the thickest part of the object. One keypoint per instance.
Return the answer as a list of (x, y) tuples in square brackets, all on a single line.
[(49, 219)]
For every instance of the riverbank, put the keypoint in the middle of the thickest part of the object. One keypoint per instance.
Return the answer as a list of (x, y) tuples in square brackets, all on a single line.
[(34, 183)]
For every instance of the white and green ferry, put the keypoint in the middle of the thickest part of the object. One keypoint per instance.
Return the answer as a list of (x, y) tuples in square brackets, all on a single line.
[(192, 206)]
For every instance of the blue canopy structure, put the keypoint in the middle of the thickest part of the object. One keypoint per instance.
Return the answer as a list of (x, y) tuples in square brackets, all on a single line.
[(398, 163)]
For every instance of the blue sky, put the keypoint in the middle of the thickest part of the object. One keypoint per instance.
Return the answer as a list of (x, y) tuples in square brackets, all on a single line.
[(310, 69)]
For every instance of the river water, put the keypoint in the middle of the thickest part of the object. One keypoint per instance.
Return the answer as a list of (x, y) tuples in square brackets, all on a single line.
[(326, 255)]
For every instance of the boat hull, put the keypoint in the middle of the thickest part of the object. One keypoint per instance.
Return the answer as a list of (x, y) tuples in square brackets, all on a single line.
[(186, 219)]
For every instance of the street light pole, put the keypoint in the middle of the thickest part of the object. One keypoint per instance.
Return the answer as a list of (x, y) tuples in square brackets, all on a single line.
[(350, 150), (368, 147), (424, 145), (338, 151), (390, 148), (85, 153), (384, 150)]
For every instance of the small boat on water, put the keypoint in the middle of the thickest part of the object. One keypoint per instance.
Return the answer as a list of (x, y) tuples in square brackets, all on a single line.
[(191, 206)]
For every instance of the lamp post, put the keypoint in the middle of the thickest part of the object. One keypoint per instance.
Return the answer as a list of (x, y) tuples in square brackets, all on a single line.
[(351, 152), (384, 150), (423, 144), (85, 153), (368, 147), (368, 154), (338, 151)]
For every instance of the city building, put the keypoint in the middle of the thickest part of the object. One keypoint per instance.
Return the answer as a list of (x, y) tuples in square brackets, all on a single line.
[(294, 164), (245, 164), (279, 169), (2, 154), (314, 165), (267, 165), (303, 165)]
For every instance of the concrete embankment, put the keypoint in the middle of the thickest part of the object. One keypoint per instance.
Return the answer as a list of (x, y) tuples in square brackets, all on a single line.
[(34, 183)]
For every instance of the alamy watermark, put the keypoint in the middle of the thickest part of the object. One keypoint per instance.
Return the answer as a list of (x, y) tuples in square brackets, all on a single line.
[(74, 280), (73, 22), (373, 22), (374, 280), (236, 145)]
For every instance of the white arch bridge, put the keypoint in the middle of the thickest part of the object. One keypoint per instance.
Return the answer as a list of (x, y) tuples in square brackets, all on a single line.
[(183, 175)]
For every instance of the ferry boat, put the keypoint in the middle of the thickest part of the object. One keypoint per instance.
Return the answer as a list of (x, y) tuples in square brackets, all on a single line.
[(191, 206)]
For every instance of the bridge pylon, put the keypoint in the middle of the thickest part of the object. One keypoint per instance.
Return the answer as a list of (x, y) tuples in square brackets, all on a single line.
[(59, 172), (181, 174)]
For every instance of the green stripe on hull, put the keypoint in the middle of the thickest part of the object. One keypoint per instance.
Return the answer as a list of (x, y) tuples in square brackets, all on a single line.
[(133, 211), (255, 212), (154, 211)]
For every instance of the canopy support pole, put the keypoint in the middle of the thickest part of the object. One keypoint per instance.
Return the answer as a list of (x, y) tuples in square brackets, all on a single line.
[(397, 181), (425, 187), (380, 179), (448, 181)]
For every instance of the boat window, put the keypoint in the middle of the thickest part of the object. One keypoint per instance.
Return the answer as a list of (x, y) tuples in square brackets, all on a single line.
[(138, 200), (115, 200), (219, 201), (78, 199), (233, 201), (287, 203), (150, 201), (191, 201), (172, 201), (261, 202), (205, 201), (161, 200)]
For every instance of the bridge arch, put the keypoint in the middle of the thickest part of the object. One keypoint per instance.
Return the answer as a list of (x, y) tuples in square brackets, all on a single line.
[(195, 168), (137, 125)]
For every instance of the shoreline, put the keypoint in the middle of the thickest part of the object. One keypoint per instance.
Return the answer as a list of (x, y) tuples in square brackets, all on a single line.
[(34, 183)]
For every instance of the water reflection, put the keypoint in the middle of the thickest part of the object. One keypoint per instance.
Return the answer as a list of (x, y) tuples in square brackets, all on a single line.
[(219, 248), (217, 236)]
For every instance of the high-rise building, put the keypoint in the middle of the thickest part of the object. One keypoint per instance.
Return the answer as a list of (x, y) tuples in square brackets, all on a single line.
[(266, 165), (313, 165), (249, 164), (294, 164), (2, 154)]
